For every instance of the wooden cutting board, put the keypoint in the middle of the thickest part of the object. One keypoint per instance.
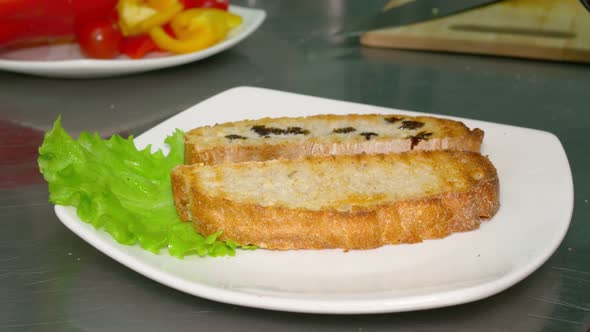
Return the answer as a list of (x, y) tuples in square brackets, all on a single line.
[(539, 29)]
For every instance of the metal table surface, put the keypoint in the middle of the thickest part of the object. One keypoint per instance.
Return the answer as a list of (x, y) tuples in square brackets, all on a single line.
[(51, 280)]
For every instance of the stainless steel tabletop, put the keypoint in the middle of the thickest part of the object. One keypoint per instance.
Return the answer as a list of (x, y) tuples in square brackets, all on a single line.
[(51, 280)]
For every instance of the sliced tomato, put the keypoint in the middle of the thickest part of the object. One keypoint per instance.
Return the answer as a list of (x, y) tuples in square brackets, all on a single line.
[(100, 39), (219, 4)]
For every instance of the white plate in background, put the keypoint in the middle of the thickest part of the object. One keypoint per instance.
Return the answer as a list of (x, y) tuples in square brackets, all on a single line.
[(66, 61), (536, 196)]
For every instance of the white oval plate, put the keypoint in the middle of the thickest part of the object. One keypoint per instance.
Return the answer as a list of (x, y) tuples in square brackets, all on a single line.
[(536, 207), (66, 61)]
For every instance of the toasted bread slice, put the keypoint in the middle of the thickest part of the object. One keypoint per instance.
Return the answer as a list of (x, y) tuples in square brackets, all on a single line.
[(291, 138), (345, 201)]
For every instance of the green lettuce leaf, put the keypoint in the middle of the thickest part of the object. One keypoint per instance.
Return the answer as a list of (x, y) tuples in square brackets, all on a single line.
[(125, 191)]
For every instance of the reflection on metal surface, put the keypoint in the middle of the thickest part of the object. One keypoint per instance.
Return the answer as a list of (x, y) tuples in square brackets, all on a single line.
[(565, 304), (571, 270), (555, 319), (18, 148)]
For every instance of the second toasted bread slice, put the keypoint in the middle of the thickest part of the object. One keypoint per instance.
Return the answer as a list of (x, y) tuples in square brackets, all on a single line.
[(295, 137), (345, 201)]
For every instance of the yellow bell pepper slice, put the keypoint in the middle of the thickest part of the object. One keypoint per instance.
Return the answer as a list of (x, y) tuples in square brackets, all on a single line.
[(188, 45), (137, 17), (195, 29), (161, 5)]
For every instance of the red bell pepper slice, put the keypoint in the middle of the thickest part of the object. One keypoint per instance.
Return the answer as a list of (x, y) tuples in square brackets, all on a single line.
[(136, 47), (34, 20), (219, 4)]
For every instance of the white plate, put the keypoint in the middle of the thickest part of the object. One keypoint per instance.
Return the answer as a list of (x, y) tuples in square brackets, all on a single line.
[(536, 207), (66, 61)]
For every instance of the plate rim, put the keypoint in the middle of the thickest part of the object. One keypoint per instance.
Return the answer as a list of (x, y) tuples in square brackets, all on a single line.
[(328, 306)]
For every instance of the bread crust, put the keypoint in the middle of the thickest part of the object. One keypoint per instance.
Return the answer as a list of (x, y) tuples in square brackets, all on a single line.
[(453, 135), (277, 227), (401, 222)]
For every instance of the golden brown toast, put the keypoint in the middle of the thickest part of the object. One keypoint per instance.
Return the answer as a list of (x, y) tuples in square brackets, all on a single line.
[(343, 201), (291, 138)]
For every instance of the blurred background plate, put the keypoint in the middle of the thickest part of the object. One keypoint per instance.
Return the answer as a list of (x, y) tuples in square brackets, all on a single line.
[(66, 61)]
